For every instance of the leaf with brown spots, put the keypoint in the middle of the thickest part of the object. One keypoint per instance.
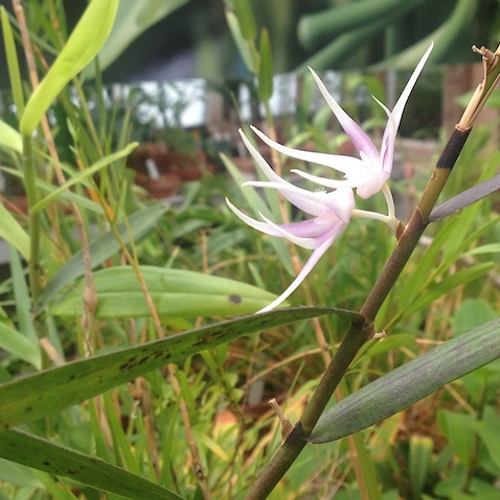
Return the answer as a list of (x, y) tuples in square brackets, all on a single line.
[(32, 397)]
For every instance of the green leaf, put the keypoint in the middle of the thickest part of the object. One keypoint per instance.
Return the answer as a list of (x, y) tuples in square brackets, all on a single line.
[(32, 397), (13, 233), (448, 284), (246, 19), (265, 90), (409, 383), (239, 40), (43, 455), (419, 463), (472, 313), (82, 46), (102, 248), (16, 84), (132, 19), (487, 428), (10, 137), (457, 428), (175, 293), (17, 344)]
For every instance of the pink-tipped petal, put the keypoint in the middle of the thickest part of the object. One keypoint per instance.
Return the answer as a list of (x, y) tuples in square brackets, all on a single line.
[(258, 225), (261, 162), (309, 265), (358, 136)]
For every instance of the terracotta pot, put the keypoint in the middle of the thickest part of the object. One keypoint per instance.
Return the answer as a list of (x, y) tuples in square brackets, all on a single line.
[(164, 186)]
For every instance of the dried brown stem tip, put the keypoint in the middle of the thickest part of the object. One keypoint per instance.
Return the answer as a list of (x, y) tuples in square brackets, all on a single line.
[(491, 68)]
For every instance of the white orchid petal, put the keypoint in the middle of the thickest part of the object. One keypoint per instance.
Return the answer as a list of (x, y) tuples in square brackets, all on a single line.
[(330, 183), (263, 227), (342, 163), (358, 136), (309, 265), (261, 162), (372, 184)]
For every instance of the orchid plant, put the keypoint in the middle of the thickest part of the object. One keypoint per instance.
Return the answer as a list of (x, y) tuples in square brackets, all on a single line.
[(331, 211)]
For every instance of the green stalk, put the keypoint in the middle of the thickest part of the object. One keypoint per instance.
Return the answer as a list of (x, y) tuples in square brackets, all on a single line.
[(29, 172)]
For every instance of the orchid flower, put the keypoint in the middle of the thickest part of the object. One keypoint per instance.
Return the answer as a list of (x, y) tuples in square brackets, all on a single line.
[(369, 173), (330, 211)]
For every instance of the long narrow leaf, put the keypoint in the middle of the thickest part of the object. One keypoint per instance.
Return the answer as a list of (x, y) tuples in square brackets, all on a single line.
[(409, 383), (10, 137), (35, 396), (13, 233), (41, 454)]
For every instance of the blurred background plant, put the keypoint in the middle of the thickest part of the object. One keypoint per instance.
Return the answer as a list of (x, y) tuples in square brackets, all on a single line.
[(210, 410)]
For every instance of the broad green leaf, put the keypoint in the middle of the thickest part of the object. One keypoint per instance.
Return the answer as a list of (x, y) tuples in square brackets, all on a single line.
[(13, 233), (41, 454), (35, 396), (132, 19), (409, 383), (79, 177), (265, 78), (82, 46), (175, 293), (103, 247), (10, 137)]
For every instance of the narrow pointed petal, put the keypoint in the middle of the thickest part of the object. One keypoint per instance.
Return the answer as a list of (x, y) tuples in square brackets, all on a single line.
[(309, 265), (401, 102), (358, 136), (342, 163), (261, 162), (260, 226)]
